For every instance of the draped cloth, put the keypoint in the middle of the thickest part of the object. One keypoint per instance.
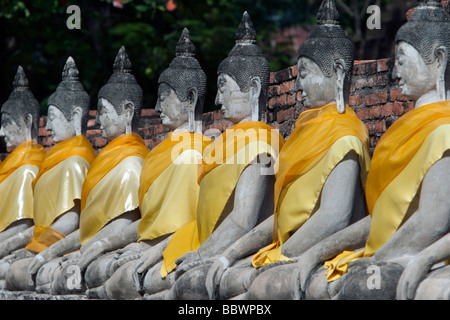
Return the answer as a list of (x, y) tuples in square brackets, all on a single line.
[(224, 161), (400, 161), (111, 186), (16, 176), (168, 191), (321, 139), (57, 186)]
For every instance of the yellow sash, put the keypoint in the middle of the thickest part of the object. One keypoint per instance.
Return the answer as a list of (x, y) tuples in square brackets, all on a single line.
[(400, 161), (224, 161), (75, 146), (57, 185), (16, 176), (321, 139), (111, 186), (168, 192)]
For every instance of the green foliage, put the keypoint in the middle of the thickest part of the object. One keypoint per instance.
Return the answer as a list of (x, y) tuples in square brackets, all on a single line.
[(34, 35)]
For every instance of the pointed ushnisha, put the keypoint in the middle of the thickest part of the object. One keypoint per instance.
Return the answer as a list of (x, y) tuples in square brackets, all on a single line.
[(246, 32), (70, 71), (328, 13), (20, 81), (122, 63), (185, 47)]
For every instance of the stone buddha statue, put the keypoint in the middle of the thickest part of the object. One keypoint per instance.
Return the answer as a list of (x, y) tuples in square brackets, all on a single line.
[(236, 183), (19, 126), (109, 197), (407, 185), (57, 187), (322, 168), (435, 284), (168, 183)]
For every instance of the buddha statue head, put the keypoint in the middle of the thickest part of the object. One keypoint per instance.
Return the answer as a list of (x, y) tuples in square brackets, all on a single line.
[(422, 63), (325, 61), (119, 100), (20, 113), (182, 89), (68, 106), (243, 77)]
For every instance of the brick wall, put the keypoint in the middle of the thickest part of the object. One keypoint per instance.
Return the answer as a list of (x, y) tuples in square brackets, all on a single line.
[(374, 96)]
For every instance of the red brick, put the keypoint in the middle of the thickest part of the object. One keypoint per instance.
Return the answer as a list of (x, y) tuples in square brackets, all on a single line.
[(362, 113), (43, 132), (287, 87), (93, 133), (91, 123), (355, 100), (93, 113), (375, 98), (217, 115), (99, 142), (294, 71), (272, 78), (380, 126), (375, 112), (147, 112), (398, 109), (383, 65), (159, 129), (396, 95), (42, 121), (386, 110), (290, 99)]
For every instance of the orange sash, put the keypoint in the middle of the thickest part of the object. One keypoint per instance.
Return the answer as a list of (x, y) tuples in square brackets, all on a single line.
[(160, 157), (28, 152), (75, 146), (316, 130)]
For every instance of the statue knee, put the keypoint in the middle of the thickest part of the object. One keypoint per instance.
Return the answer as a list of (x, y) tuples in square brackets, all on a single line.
[(17, 276), (371, 282), (97, 271), (154, 283), (191, 285), (275, 284)]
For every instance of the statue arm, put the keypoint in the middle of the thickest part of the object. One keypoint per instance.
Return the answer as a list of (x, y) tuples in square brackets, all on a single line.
[(68, 222), (420, 265), (431, 220), (335, 211), (66, 245), (109, 243), (18, 241), (250, 192), (350, 238)]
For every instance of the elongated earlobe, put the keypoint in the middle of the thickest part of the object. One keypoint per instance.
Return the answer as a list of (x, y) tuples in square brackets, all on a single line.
[(441, 54), (255, 91), (339, 67), (193, 98), (129, 113), (76, 119)]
